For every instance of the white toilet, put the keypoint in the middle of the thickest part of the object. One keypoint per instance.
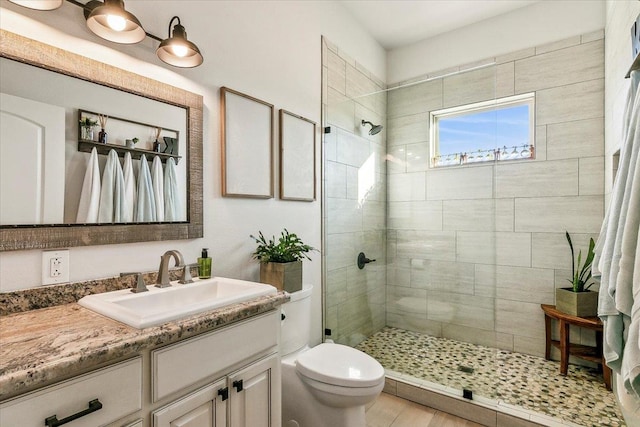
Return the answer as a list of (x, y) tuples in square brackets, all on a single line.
[(327, 385)]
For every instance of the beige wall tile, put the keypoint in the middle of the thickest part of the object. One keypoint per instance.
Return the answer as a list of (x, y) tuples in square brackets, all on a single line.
[(414, 99), (460, 183), (531, 179), (572, 102), (561, 44), (337, 72), (534, 285), (407, 187), (505, 79), (398, 276), (528, 345), (461, 309), (437, 245), (502, 248), (352, 150), (336, 180), (417, 157), (340, 250), (408, 129), (551, 250), (514, 56), (373, 215), (417, 215), (330, 144), (344, 216), (581, 214), (396, 159), (541, 143), (519, 318), (581, 138), (407, 301), (469, 87), (336, 287), (591, 176), (478, 336), (448, 276), (596, 35), (414, 323), (340, 111), (478, 215)]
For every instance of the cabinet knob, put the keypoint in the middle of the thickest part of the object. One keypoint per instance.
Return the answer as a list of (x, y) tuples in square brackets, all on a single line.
[(238, 385)]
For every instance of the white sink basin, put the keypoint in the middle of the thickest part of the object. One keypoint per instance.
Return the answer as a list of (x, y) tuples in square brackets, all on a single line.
[(161, 305)]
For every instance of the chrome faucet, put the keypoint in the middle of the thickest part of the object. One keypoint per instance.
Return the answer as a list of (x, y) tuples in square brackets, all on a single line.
[(163, 271)]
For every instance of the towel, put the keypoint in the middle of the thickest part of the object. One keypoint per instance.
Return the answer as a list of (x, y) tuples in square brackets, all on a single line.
[(618, 308), (146, 205), (130, 193), (112, 201), (172, 205), (90, 195), (158, 187)]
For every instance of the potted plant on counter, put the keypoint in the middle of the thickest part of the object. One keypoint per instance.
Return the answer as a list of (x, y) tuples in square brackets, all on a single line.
[(578, 300), (281, 261)]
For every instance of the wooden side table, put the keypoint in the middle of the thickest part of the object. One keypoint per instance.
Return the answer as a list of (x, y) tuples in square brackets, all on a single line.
[(592, 354)]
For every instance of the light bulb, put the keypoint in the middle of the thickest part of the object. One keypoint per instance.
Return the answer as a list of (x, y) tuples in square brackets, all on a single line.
[(179, 50), (116, 23)]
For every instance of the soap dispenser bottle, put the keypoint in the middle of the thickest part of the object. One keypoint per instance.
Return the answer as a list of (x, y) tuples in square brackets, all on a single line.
[(204, 265)]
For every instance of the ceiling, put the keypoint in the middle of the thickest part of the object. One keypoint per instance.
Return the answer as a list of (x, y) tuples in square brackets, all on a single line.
[(397, 23)]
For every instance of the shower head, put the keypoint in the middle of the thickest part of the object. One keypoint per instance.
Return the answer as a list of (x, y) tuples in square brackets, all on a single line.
[(375, 129)]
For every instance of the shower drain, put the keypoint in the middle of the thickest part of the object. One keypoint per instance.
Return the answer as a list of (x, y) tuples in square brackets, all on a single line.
[(465, 369)]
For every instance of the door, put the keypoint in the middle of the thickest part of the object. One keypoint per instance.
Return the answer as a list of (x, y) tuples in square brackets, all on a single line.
[(202, 408), (254, 399), (32, 147)]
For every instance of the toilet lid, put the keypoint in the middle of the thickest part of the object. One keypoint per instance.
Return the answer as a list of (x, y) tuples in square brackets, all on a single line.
[(340, 365)]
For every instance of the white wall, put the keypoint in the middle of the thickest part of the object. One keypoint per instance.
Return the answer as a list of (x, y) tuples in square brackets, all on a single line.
[(270, 50), (535, 25)]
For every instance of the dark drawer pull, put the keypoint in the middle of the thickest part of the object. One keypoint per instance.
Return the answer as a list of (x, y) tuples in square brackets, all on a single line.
[(224, 393), (53, 421), (238, 385)]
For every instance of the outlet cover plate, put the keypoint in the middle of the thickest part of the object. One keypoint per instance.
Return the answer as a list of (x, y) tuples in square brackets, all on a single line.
[(58, 259)]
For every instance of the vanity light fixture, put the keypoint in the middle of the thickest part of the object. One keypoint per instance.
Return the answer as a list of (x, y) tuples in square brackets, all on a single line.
[(39, 4), (112, 22), (177, 50)]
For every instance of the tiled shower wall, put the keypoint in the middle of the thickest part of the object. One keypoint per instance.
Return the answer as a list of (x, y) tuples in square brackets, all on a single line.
[(354, 183), (474, 250)]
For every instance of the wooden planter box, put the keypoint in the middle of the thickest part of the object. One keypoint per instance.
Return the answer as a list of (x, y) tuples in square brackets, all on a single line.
[(284, 276), (582, 304)]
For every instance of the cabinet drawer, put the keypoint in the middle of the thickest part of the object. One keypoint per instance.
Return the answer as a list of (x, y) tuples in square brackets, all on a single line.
[(118, 388), (183, 364)]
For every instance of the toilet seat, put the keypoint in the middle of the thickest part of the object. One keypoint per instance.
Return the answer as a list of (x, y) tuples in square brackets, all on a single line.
[(340, 365)]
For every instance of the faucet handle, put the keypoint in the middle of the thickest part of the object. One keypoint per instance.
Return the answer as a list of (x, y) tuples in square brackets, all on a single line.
[(140, 285), (185, 277)]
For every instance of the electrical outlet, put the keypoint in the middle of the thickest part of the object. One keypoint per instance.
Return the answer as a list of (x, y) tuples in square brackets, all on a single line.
[(55, 267)]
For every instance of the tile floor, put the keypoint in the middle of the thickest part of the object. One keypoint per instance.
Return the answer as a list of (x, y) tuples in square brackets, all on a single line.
[(392, 411), (528, 382)]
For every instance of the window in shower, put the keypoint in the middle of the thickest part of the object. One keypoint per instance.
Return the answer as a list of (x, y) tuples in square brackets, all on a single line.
[(497, 130)]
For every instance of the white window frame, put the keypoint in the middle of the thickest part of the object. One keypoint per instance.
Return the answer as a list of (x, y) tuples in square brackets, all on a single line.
[(499, 103)]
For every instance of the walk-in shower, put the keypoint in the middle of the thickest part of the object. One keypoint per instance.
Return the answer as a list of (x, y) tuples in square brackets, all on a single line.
[(462, 194)]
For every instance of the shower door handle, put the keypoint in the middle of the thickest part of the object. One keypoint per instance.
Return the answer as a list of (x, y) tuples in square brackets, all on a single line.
[(363, 260)]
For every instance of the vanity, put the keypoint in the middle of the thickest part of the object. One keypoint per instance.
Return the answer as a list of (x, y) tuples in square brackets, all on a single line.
[(67, 361)]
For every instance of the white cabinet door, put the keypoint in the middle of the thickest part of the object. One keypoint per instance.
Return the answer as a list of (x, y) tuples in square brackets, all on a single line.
[(202, 408), (254, 394)]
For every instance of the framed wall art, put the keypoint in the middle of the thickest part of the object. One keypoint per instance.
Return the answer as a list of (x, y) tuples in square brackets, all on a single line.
[(297, 157)]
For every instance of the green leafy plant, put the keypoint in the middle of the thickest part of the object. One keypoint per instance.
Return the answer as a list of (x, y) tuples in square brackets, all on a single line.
[(582, 274), (288, 248), (135, 140), (86, 122)]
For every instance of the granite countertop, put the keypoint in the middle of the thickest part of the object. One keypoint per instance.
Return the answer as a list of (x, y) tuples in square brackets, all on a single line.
[(39, 347)]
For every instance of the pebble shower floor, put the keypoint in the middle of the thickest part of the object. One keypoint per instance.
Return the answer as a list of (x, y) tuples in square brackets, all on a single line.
[(530, 382)]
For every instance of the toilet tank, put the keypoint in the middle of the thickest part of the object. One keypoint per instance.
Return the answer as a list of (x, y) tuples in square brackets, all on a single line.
[(295, 327)]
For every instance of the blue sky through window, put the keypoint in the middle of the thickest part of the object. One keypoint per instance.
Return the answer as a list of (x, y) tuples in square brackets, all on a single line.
[(488, 129)]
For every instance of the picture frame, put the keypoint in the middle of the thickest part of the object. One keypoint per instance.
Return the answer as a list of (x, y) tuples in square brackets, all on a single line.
[(247, 145), (297, 157)]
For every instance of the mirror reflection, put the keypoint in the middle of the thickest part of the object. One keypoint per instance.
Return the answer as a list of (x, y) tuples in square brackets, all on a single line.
[(50, 125)]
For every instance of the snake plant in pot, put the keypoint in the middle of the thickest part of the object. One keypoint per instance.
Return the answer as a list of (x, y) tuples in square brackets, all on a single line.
[(281, 260), (578, 300)]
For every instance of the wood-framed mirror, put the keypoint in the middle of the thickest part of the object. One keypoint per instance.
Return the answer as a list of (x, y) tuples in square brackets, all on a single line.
[(41, 236)]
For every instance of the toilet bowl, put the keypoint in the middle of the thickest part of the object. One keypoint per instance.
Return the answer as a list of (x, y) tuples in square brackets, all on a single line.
[(327, 385)]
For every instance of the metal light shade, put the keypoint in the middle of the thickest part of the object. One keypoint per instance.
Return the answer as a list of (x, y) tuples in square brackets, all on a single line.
[(39, 4), (112, 22), (177, 50)]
